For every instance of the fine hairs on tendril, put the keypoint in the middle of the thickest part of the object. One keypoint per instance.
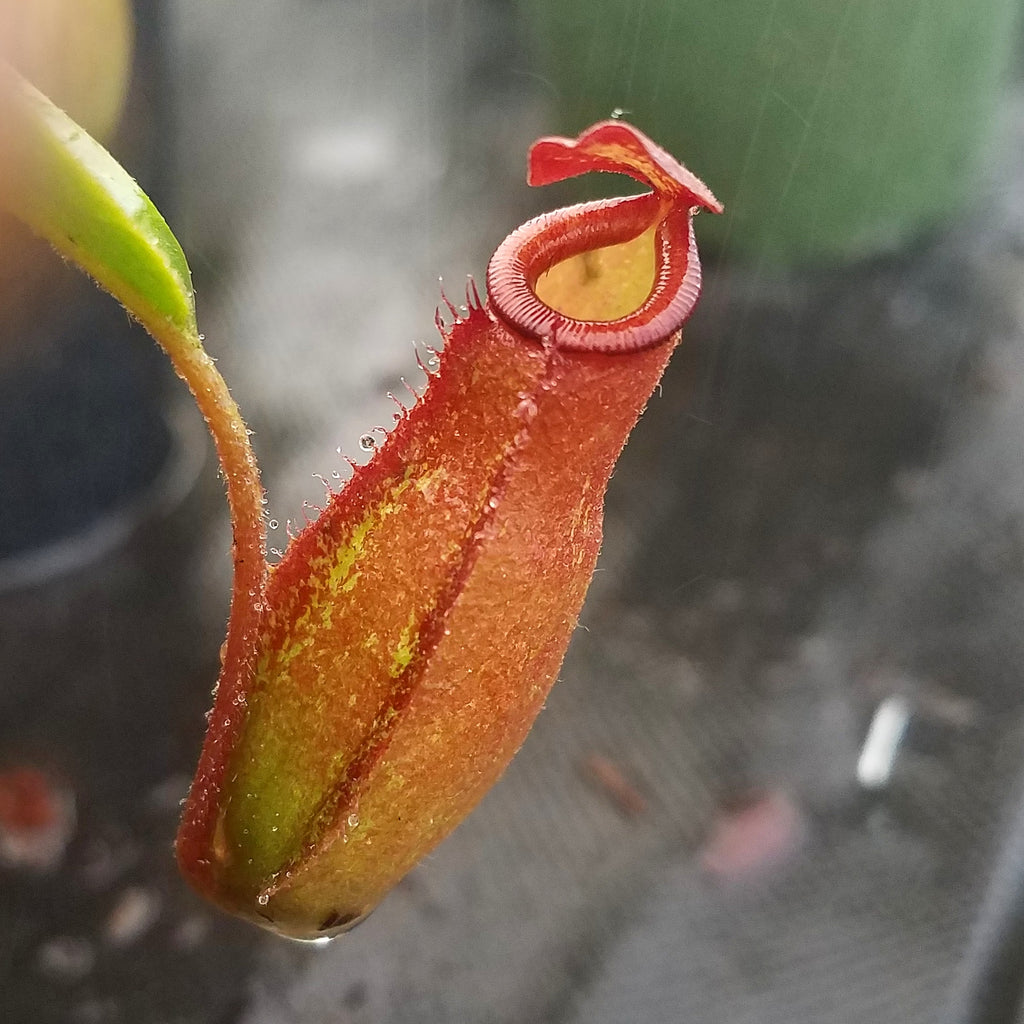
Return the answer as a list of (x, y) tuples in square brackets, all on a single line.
[(402, 409), (348, 460), (419, 360)]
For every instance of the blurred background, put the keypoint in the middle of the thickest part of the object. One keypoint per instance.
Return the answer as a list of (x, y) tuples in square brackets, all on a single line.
[(778, 779)]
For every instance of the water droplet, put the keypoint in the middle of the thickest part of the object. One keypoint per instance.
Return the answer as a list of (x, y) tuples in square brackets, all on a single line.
[(273, 524), (263, 899), (353, 820), (367, 442)]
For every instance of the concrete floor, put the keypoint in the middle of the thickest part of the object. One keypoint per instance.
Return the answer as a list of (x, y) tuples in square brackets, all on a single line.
[(821, 512)]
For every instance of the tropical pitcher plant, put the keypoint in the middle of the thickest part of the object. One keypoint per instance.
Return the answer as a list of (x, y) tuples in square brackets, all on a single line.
[(377, 680)]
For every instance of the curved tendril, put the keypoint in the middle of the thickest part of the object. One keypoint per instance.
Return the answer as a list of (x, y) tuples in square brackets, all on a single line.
[(551, 238)]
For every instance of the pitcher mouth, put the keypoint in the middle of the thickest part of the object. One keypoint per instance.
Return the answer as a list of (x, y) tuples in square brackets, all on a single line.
[(613, 275)]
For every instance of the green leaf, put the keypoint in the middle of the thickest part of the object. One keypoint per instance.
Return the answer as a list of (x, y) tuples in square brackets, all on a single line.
[(67, 188)]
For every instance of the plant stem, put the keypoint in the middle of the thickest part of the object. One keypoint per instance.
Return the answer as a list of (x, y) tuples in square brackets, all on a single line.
[(241, 477)]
